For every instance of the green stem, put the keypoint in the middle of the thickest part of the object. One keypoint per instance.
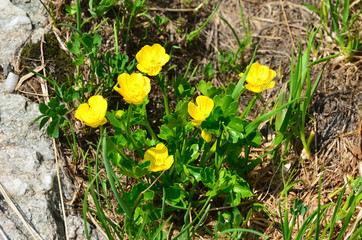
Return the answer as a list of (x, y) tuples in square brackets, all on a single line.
[(74, 147), (149, 128), (218, 159), (97, 161), (204, 154), (128, 131), (110, 175), (161, 82), (195, 134), (79, 15)]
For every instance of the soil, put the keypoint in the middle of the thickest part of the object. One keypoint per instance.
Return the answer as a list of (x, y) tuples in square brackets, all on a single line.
[(278, 28)]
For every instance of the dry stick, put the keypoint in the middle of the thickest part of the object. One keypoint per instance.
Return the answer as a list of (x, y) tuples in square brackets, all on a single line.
[(3, 234), (44, 88), (60, 188), (97, 225), (20, 214), (28, 76), (179, 10), (286, 21)]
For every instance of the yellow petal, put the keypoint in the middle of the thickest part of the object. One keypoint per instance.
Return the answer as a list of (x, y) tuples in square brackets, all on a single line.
[(141, 68), (168, 163), (270, 85), (134, 88), (104, 121), (158, 156), (81, 111), (205, 104), (98, 104), (272, 74), (254, 88), (193, 110), (93, 113), (151, 59), (206, 135)]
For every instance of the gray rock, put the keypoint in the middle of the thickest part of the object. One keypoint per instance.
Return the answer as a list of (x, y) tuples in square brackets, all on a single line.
[(27, 169), (27, 166), (11, 82), (28, 173), (15, 29)]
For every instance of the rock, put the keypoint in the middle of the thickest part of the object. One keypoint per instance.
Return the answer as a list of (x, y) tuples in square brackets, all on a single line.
[(15, 29), (27, 170), (11, 82), (28, 173)]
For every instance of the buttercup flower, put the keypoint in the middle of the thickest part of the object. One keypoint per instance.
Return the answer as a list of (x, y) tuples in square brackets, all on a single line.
[(206, 135), (159, 158), (203, 109), (151, 59), (93, 113), (134, 88), (258, 78)]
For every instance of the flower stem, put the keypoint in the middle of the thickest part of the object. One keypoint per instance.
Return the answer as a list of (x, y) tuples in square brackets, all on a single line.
[(149, 129), (128, 131), (74, 147), (161, 82)]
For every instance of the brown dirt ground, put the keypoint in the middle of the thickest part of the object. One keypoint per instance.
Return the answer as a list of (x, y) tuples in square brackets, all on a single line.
[(336, 108)]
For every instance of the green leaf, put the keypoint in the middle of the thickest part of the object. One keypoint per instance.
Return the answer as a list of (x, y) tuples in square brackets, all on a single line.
[(174, 194), (79, 60), (229, 106), (310, 7), (183, 88), (53, 128), (54, 102), (195, 172), (208, 177), (235, 129), (207, 89), (43, 122), (97, 40), (73, 48), (208, 71), (43, 108), (237, 218)]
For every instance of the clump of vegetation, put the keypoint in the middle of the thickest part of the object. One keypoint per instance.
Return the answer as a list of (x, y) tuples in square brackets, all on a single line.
[(197, 156)]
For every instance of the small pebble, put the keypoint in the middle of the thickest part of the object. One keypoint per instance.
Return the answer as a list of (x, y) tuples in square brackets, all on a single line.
[(11, 82)]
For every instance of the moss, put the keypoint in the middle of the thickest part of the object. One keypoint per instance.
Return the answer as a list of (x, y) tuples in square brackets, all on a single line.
[(58, 63)]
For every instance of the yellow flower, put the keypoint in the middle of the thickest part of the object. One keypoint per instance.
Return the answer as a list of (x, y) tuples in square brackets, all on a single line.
[(93, 113), (206, 135), (258, 78), (160, 160), (134, 88), (203, 109), (151, 59)]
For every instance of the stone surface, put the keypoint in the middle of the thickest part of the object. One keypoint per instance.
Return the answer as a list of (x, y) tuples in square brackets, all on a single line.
[(28, 173), (27, 169), (15, 29), (27, 165)]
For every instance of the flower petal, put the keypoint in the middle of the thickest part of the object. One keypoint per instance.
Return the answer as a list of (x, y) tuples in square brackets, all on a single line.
[(206, 135)]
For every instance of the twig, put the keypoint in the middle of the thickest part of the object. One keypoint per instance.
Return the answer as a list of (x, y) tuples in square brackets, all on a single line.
[(3, 234), (60, 188), (180, 9), (97, 225), (20, 214), (286, 21), (27, 76)]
